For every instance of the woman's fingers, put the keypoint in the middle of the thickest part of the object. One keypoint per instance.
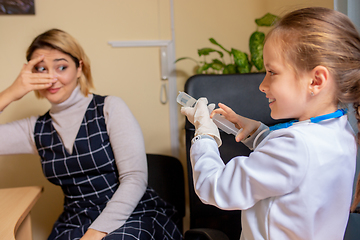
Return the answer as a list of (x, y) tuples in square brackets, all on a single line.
[(36, 81), (41, 79), (30, 65), (28, 80)]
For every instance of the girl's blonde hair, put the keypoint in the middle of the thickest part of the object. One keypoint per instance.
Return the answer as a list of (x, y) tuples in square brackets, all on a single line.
[(64, 42), (315, 36)]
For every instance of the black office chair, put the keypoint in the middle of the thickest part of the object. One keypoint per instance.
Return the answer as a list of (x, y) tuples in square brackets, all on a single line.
[(353, 227), (241, 93), (166, 177)]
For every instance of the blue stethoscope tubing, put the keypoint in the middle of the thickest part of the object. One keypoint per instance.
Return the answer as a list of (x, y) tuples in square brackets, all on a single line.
[(338, 113)]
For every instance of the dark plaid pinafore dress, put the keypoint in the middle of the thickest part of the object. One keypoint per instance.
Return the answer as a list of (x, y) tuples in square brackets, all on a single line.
[(89, 178)]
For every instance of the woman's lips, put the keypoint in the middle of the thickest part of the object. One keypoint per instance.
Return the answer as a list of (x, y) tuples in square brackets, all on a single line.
[(53, 90)]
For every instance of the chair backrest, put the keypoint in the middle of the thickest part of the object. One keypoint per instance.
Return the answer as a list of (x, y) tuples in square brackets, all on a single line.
[(241, 93), (353, 227), (166, 177)]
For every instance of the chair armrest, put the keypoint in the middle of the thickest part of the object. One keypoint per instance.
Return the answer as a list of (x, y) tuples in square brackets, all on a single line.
[(204, 234)]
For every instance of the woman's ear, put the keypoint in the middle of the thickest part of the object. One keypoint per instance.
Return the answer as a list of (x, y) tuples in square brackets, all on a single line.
[(319, 79), (79, 69)]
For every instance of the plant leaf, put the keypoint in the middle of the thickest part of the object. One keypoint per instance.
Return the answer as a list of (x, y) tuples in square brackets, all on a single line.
[(256, 45), (217, 65), (207, 51), (241, 59), (229, 69), (267, 20), (202, 68), (183, 58), (213, 41), (243, 70)]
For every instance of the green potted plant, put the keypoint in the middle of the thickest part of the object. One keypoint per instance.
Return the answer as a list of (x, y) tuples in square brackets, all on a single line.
[(240, 62)]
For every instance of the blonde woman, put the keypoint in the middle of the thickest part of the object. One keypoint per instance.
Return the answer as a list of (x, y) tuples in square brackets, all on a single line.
[(90, 145)]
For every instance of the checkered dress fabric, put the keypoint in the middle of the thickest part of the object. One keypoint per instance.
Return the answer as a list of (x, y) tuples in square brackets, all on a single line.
[(152, 219), (89, 178)]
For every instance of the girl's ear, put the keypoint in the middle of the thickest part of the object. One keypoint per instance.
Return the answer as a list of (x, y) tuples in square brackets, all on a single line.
[(319, 79)]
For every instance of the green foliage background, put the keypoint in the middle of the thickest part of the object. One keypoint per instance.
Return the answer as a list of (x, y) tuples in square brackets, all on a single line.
[(240, 62)]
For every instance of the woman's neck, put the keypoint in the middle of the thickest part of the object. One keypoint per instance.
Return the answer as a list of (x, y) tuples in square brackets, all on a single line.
[(75, 98)]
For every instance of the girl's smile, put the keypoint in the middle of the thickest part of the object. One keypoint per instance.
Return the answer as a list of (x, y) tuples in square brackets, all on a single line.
[(271, 100)]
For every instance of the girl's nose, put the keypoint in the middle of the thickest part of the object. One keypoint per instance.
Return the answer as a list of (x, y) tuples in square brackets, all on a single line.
[(263, 85)]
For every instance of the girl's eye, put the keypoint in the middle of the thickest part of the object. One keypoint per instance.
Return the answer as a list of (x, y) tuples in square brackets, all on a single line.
[(271, 73), (40, 69)]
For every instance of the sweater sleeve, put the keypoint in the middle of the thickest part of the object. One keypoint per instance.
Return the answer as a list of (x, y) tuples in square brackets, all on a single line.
[(17, 137), (129, 151)]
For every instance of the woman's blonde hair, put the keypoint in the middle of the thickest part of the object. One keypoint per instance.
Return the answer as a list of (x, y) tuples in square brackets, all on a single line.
[(64, 42), (315, 36)]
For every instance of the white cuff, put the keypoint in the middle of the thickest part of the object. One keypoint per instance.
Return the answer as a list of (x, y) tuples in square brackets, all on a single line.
[(198, 137)]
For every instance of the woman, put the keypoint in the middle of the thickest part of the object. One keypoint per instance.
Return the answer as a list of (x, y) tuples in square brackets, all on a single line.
[(90, 145)]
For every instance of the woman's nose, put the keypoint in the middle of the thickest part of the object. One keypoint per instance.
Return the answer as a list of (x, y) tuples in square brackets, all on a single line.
[(51, 72)]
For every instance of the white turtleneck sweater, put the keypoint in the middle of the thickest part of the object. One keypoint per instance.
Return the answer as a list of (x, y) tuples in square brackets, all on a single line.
[(125, 137)]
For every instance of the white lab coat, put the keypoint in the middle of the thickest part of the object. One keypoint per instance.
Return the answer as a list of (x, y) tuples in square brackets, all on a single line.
[(297, 184)]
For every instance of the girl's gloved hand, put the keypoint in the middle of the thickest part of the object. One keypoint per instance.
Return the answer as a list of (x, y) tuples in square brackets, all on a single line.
[(248, 125), (199, 116)]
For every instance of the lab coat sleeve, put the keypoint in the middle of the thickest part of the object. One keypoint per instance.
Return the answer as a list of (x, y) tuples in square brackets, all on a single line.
[(275, 168), (256, 138)]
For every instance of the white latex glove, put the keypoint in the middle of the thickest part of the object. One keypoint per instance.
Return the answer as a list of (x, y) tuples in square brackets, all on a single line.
[(199, 116), (189, 112)]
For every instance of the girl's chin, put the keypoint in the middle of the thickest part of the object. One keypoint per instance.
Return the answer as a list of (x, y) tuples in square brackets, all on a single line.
[(275, 116)]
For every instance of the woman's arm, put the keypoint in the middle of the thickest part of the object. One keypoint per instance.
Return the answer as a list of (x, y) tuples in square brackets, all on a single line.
[(129, 150), (18, 137), (26, 82)]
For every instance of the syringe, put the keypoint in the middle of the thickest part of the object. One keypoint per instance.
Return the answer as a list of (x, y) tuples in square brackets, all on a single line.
[(221, 122)]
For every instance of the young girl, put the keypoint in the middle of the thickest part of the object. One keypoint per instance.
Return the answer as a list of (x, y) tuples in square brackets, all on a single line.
[(90, 145), (297, 183)]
